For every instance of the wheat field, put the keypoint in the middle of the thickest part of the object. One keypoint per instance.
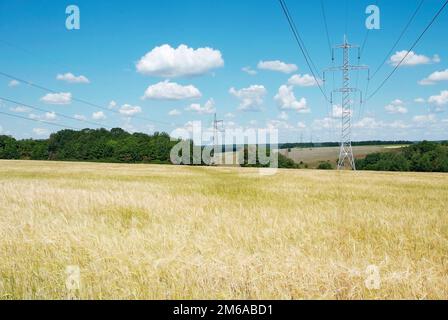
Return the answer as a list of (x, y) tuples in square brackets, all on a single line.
[(165, 232)]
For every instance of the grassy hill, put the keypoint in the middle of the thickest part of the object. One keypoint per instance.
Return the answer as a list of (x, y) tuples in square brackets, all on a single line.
[(156, 231)]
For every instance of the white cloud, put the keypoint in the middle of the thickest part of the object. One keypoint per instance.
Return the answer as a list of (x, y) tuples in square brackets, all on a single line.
[(50, 116), (305, 80), (369, 123), (71, 78), (424, 119), (440, 99), (168, 62), (128, 110), (434, 77), (337, 111), (40, 131), (80, 117), (283, 116), (412, 59), (1, 129), (301, 125), (250, 98), (20, 109), (326, 123), (208, 108), (249, 71), (396, 106), (174, 113), (112, 104), (419, 100), (57, 98), (277, 65), (399, 125), (286, 100), (98, 115), (13, 83), (229, 115), (279, 124), (167, 90)]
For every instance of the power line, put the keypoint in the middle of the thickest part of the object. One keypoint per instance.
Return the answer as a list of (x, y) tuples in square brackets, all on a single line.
[(301, 45), (56, 113), (326, 27), (32, 84), (399, 38), (316, 70), (412, 47), (38, 120)]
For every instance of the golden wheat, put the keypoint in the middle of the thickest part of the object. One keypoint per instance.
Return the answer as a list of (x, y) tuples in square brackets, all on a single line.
[(165, 232)]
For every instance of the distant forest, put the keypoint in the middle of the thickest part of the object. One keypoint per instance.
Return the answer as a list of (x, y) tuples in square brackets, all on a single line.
[(117, 145), (419, 157), (99, 145)]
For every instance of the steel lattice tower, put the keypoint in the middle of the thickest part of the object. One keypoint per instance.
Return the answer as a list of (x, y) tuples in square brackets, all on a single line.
[(346, 152)]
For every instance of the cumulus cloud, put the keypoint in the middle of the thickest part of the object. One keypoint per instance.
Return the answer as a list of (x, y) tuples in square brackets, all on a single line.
[(71, 78), (20, 109), (424, 119), (369, 123), (13, 83), (419, 100), (167, 90), (249, 71), (301, 125), (337, 111), (277, 65), (229, 115), (207, 108), (128, 110), (439, 100), (98, 115), (326, 123), (112, 105), (412, 59), (40, 131), (434, 77), (286, 100), (279, 124), (168, 62), (174, 113), (399, 125), (80, 117), (48, 116), (250, 98), (396, 106), (305, 80), (283, 116), (57, 98)]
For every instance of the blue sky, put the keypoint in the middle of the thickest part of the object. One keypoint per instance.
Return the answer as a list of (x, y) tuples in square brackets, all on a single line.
[(124, 49)]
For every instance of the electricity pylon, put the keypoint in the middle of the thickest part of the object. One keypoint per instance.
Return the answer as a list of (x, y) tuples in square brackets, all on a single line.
[(346, 151), (216, 128)]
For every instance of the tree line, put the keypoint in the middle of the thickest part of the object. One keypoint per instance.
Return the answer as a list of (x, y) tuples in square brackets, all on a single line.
[(419, 157), (99, 145)]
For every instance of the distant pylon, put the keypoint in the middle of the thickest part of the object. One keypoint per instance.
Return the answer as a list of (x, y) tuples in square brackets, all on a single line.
[(215, 137), (346, 156)]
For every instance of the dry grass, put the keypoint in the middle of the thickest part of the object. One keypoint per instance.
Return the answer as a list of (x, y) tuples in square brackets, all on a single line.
[(156, 232)]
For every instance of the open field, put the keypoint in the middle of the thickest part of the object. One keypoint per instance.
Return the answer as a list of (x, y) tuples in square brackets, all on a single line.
[(156, 232), (314, 156)]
